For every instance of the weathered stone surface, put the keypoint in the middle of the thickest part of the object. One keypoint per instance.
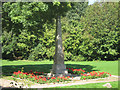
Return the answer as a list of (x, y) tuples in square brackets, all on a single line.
[(108, 85), (59, 66), (59, 69)]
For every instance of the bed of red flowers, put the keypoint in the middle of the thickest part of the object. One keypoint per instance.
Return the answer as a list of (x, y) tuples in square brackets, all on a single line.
[(93, 75), (88, 75), (36, 77), (76, 71)]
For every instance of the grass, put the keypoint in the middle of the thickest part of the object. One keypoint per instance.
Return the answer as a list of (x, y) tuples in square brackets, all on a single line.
[(106, 66), (9, 67), (92, 85)]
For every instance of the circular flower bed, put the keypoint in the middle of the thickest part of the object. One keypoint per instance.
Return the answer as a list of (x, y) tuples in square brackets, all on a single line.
[(36, 76)]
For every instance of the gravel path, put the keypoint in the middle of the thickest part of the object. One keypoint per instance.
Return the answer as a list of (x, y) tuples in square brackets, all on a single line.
[(6, 83)]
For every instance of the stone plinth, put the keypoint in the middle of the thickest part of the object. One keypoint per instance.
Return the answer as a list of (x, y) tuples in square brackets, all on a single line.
[(59, 69), (58, 66)]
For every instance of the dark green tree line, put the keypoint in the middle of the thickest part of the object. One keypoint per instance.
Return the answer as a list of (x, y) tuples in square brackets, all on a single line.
[(89, 32)]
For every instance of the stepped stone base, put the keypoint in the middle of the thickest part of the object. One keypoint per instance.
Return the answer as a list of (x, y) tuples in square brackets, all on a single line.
[(59, 69)]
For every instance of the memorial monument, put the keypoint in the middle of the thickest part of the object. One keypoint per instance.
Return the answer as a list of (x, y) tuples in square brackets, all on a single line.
[(59, 68)]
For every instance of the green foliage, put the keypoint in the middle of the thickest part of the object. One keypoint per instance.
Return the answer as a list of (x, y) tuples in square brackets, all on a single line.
[(30, 24), (88, 32), (36, 53), (101, 31)]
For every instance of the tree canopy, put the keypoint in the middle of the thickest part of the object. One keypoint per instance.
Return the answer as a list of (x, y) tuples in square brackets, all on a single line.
[(89, 32)]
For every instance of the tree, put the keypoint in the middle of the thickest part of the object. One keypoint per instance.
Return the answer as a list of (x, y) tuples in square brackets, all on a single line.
[(101, 28), (25, 13)]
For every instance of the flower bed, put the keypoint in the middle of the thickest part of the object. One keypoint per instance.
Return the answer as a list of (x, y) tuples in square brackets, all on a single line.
[(76, 71), (91, 75), (35, 77)]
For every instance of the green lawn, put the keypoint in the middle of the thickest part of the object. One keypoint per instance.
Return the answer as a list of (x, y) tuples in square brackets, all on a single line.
[(8, 67), (44, 66), (92, 85)]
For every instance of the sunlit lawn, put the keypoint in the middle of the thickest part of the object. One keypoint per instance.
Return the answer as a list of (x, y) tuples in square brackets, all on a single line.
[(8, 67), (45, 66), (92, 85)]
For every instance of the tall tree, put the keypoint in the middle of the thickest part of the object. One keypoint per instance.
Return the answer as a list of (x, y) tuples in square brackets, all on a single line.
[(33, 15)]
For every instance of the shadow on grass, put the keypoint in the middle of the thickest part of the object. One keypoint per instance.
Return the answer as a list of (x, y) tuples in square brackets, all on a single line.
[(8, 70)]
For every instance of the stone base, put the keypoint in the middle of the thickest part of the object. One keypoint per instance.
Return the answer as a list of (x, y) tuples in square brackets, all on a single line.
[(59, 69), (56, 75)]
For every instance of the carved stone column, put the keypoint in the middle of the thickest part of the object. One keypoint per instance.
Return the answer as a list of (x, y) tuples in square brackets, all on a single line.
[(59, 67)]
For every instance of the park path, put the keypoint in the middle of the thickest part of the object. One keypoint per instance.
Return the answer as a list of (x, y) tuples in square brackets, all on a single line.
[(80, 82), (6, 83)]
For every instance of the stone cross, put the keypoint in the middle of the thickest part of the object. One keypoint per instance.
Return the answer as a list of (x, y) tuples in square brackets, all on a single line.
[(59, 67)]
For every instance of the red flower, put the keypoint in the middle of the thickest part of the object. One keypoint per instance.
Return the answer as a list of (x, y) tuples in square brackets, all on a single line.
[(65, 78), (95, 72), (39, 73), (19, 76), (44, 79), (57, 80), (68, 76), (36, 77), (99, 75), (53, 78), (78, 69), (31, 71), (16, 73), (83, 70), (40, 77), (84, 78), (58, 77), (31, 76), (110, 74), (74, 70), (37, 81), (19, 72), (36, 72), (84, 74)]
